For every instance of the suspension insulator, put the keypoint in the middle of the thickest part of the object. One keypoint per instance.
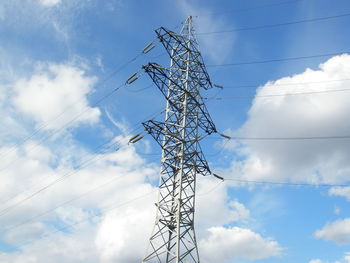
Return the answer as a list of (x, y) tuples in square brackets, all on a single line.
[(219, 177), (136, 139), (132, 78), (157, 66), (148, 48), (218, 86), (225, 136)]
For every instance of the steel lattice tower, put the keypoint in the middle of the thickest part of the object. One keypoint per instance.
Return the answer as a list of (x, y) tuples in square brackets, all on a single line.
[(187, 121)]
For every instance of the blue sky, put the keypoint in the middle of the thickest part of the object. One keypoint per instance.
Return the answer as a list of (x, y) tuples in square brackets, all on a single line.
[(57, 57)]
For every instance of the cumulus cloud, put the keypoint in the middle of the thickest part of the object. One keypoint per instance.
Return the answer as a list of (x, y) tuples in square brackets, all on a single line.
[(223, 210), (100, 235), (60, 88), (345, 259), (121, 175), (325, 114), (340, 191), (46, 226), (226, 244), (124, 229), (337, 231)]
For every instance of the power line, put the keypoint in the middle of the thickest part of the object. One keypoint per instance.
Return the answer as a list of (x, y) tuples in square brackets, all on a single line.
[(66, 175), (140, 89), (284, 138), (248, 8), (278, 95), (61, 229), (75, 118), (153, 115), (106, 209), (50, 135), (63, 177), (274, 25), (286, 183), (30, 187), (212, 189), (284, 84), (64, 203), (45, 124), (278, 60)]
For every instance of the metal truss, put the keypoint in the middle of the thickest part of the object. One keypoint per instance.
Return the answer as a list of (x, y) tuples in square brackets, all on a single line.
[(187, 121)]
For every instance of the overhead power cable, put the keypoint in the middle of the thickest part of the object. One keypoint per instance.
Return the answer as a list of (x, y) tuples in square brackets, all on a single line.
[(286, 183), (238, 138), (67, 226), (278, 95), (277, 60), (104, 210), (59, 179), (63, 177), (140, 89), (62, 128), (248, 8), (115, 178), (43, 125), (134, 129), (284, 84), (274, 25), (129, 81), (4, 201)]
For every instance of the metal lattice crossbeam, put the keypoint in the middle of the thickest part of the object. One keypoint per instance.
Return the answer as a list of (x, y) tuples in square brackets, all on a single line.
[(176, 93), (173, 238)]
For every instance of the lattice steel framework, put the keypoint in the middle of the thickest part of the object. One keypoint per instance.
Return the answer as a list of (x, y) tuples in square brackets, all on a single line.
[(187, 121)]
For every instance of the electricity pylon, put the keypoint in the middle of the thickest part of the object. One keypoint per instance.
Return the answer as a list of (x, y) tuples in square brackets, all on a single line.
[(187, 121)]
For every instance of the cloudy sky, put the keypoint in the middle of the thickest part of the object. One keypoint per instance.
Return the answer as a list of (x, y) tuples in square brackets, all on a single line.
[(73, 190)]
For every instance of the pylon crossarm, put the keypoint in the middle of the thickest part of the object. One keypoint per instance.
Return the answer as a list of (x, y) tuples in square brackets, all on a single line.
[(164, 81), (156, 129), (170, 39)]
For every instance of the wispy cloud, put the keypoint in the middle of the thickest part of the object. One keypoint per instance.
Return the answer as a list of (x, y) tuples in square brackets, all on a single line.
[(49, 2)]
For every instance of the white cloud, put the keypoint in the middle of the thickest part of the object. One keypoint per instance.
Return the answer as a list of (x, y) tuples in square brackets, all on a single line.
[(226, 244), (49, 2), (313, 161), (104, 238), (59, 89), (337, 231), (91, 237), (340, 191), (123, 229), (345, 259), (211, 193)]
